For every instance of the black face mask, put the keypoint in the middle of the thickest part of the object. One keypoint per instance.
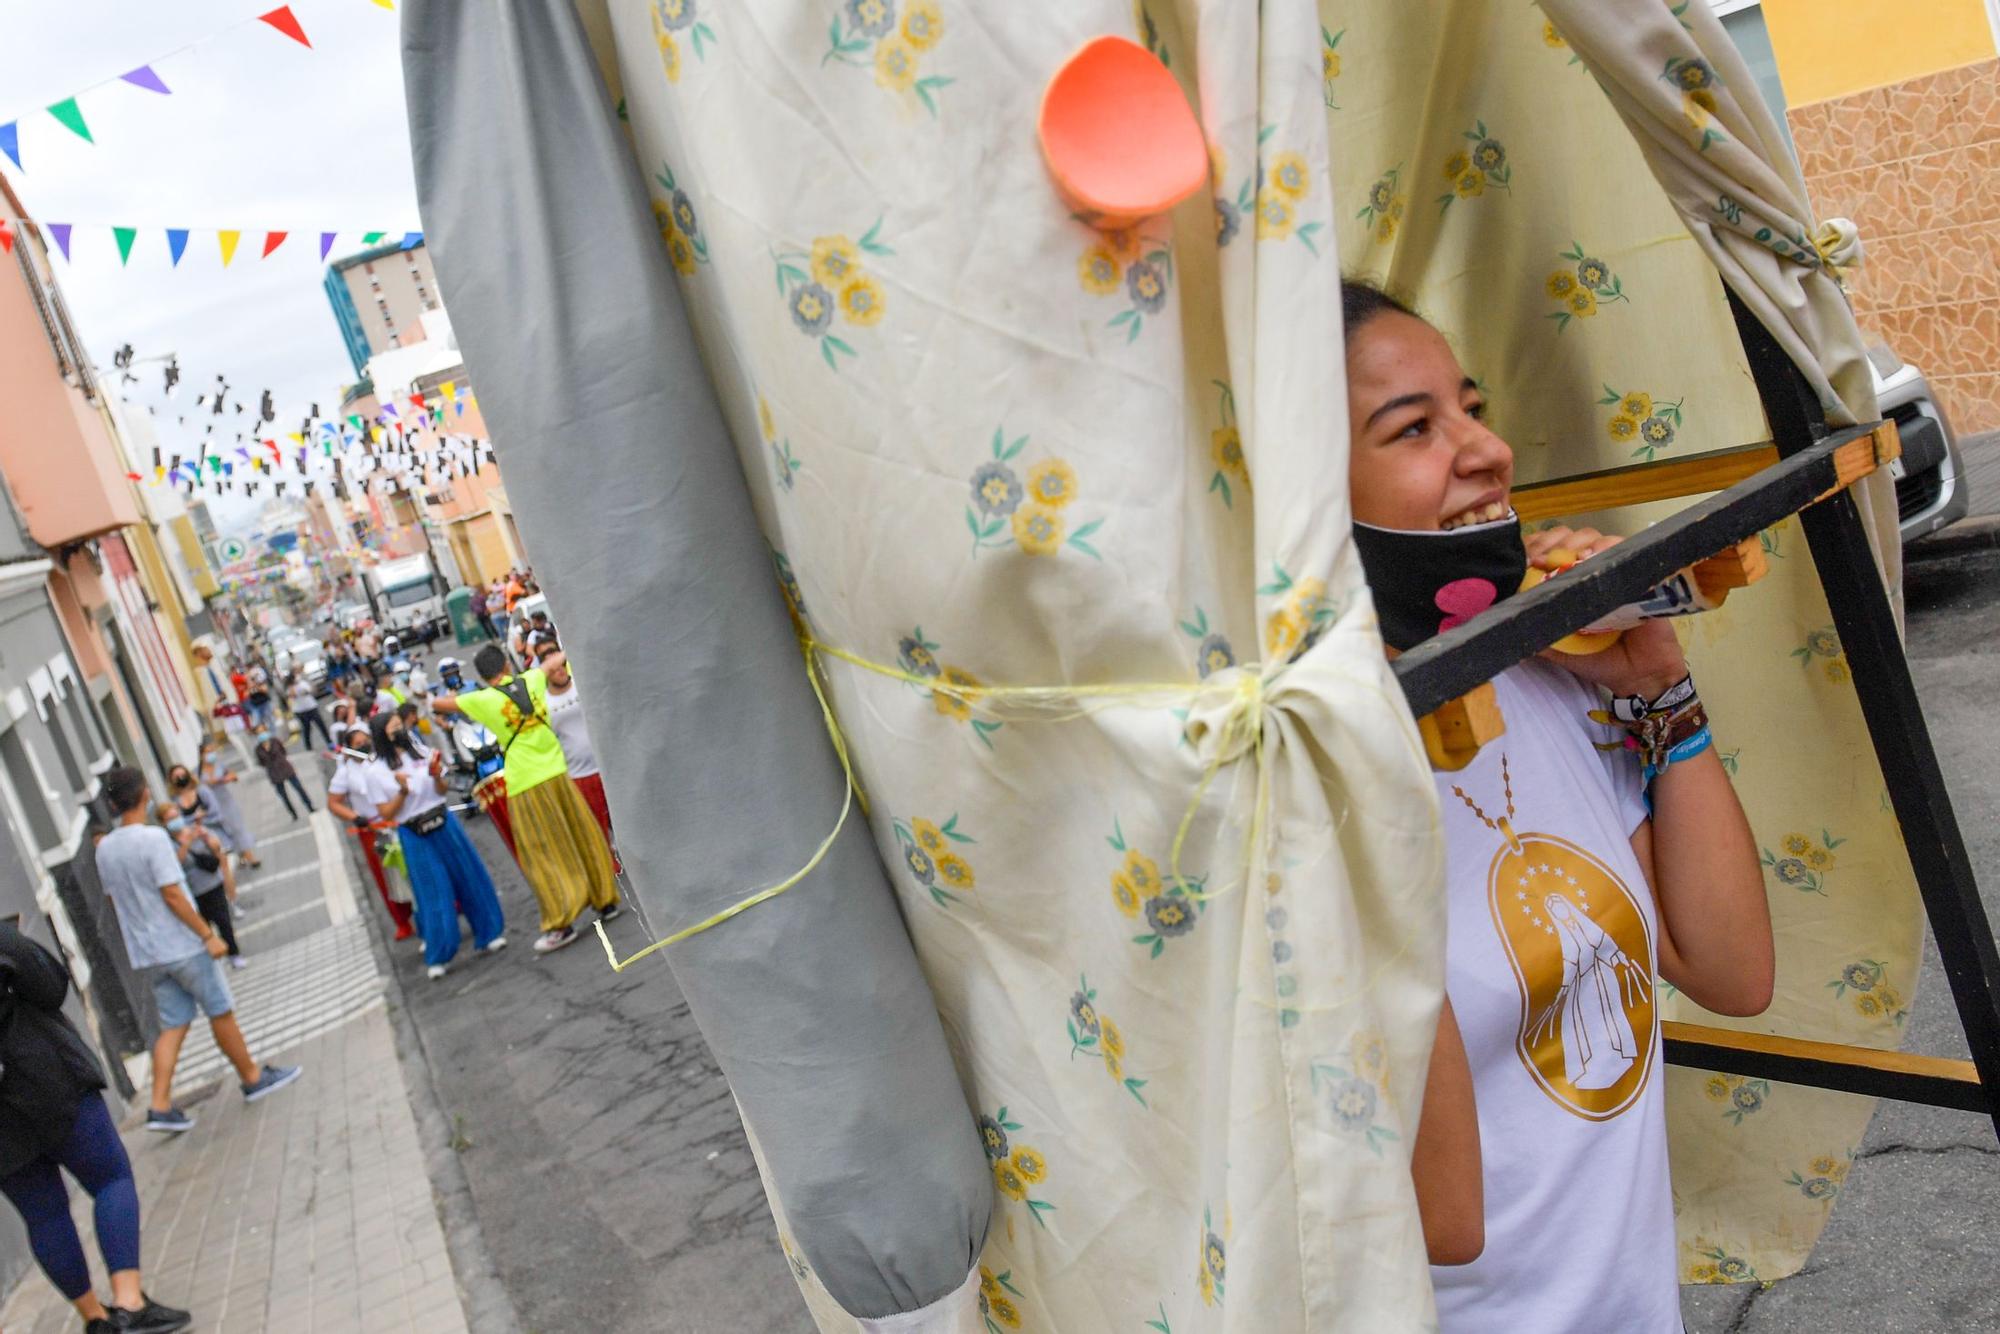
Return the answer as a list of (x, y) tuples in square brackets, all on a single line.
[(1427, 582)]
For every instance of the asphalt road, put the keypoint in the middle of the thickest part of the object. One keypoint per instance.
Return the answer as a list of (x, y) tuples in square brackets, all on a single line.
[(1910, 1248), (615, 1190)]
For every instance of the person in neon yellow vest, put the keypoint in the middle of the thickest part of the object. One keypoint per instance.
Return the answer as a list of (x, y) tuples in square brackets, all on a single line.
[(562, 851)]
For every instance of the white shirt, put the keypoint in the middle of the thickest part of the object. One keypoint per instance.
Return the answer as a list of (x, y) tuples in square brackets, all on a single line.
[(424, 795), (566, 716), (360, 781), (420, 681), (1551, 963), (303, 698)]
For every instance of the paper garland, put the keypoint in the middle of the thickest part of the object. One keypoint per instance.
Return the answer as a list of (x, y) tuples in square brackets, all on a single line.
[(227, 240), (70, 115)]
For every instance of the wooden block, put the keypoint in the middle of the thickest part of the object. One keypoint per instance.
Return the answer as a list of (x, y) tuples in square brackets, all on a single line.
[(1454, 733), (1739, 567)]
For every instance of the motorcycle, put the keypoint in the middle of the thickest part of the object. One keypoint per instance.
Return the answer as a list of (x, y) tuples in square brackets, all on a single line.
[(476, 756)]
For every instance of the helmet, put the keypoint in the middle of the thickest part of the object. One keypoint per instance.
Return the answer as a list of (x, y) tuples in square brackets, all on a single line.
[(400, 666)]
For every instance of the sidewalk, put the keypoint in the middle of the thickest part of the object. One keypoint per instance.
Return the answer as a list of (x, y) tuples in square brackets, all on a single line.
[(310, 1211)]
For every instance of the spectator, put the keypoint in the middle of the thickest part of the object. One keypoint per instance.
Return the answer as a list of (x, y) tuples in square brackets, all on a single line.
[(367, 648), (566, 716), (209, 877), (305, 708), (278, 768), (446, 875), (479, 612), (166, 937), (350, 796), (259, 702), (53, 1119), (339, 664), (556, 839), (240, 683), (496, 610), (221, 797)]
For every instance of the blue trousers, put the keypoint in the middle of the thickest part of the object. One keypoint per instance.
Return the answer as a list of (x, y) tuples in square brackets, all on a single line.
[(96, 1157), (446, 879)]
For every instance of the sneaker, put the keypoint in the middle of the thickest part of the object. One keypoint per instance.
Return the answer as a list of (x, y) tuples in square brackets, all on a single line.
[(170, 1122), (238, 961), (495, 945), (152, 1318), (611, 913), (274, 1078), (435, 971), (555, 940)]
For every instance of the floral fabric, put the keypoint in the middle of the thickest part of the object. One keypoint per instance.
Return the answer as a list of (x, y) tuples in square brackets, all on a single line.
[(1186, 942), (1485, 174)]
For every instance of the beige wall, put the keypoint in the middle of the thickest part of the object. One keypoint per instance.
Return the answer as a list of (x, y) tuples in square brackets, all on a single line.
[(390, 294), (1917, 166)]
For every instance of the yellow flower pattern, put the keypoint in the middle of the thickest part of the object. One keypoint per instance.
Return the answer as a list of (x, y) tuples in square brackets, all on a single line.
[(1017, 1168), (1170, 907), (867, 34), (1582, 288), (1329, 64), (1301, 617), (1469, 171), (1226, 446), (1383, 213), (1004, 510), (828, 280), (1648, 433), (682, 17)]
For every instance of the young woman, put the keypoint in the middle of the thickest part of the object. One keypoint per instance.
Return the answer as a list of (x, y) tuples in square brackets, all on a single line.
[(1586, 862), (221, 794), (357, 776), (205, 862), (446, 874), (53, 1119), (277, 766)]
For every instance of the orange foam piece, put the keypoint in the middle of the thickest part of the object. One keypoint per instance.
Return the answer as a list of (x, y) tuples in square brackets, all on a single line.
[(1118, 134)]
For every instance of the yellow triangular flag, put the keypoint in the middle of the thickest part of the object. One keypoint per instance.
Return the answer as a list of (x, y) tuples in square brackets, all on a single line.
[(228, 241), (297, 439), (450, 391), (386, 4)]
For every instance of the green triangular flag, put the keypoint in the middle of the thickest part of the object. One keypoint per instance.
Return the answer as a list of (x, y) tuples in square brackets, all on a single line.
[(372, 237), (124, 235), (68, 113)]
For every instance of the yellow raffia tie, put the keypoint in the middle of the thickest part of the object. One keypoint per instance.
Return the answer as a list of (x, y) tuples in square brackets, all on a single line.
[(1043, 704)]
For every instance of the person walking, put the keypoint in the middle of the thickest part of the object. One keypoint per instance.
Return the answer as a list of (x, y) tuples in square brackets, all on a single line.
[(496, 610), (350, 796), (566, 716), (477, 606), (305, 708), (53, 1120), (259, 701), (446, 875), (167, 939), (556, 839), (221, 796), (278, 768), (209, 876)]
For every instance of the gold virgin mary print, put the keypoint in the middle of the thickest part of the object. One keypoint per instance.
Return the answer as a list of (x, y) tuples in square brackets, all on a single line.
[(1581, 951)]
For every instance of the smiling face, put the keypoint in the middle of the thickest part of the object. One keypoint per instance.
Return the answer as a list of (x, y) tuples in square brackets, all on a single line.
[(1422, 457)]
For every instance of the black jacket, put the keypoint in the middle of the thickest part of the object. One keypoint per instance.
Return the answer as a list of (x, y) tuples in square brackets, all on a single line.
[(50, 1069)]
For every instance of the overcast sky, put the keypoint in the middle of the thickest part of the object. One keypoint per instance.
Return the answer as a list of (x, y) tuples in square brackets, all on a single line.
[(259, 134)]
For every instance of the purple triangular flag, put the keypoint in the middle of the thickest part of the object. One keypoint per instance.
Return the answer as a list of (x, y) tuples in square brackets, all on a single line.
[(60, 230), (325, 244), (143, 77), (10, 142)]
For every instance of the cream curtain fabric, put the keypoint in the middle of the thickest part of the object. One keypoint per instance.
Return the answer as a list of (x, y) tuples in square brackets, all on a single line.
[(989, 445), (1484, 173)]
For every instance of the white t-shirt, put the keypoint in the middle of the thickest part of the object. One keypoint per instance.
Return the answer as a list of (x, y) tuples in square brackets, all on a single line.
[(566, 716), (423, 796), (303, 698), (360, 781), (1551, 960)]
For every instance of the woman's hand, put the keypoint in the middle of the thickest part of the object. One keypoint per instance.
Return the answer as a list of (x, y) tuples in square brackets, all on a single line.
[(1647, 659)]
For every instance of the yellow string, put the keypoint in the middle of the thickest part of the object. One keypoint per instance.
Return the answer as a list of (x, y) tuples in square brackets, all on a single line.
[(1248, 712)]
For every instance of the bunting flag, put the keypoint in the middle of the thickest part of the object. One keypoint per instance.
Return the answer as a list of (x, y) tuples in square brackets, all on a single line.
[(71, 116), (228, 240), (60, 230), (325, 244), (287, 23), (450, 391), (6, 238), (10, 142), (177, 243), (143, 77), (411, 240), (125, 237), (370, 238), (272, 240)]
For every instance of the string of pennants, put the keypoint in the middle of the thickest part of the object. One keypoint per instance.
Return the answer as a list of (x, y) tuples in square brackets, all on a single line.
[(227, 239), (69, 114)]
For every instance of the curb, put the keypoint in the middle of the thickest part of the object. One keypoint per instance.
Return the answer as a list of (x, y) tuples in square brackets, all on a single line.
[(1980, 532), (488, 1308)]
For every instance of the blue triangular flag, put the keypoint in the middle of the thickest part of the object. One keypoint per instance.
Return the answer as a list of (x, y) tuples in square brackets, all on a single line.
[(10, 142), (177, 243), (412, 239)]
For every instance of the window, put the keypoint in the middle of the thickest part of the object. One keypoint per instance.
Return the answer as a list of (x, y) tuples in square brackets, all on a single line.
[(81, 718), (27, 785), (408, 594), (1743, 20)]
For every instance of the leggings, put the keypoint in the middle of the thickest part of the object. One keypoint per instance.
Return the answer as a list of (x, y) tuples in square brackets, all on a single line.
[(309, 719), (213, 905), (96, 1158), (297, 787)]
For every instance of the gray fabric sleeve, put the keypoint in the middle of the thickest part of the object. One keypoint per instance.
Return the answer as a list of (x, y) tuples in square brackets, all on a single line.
[(720, 774)]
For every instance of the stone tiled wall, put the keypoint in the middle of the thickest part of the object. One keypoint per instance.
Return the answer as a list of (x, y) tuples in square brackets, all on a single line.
[(1917, 166)]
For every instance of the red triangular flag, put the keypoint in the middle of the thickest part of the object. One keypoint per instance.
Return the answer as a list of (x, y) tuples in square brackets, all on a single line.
[(287, 23), (6, 238), (272, 240)]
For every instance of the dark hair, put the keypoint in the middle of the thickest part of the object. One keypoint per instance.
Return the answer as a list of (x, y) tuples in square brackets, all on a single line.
[(1362, 301), (124, 788), (407, 710), (490, 662), (378, 729)]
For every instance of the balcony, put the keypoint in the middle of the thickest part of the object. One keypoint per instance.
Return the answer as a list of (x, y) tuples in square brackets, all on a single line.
[(56, 450)]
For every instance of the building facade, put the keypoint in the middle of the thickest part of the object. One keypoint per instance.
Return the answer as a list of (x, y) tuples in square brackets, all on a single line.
[(379, 296)]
